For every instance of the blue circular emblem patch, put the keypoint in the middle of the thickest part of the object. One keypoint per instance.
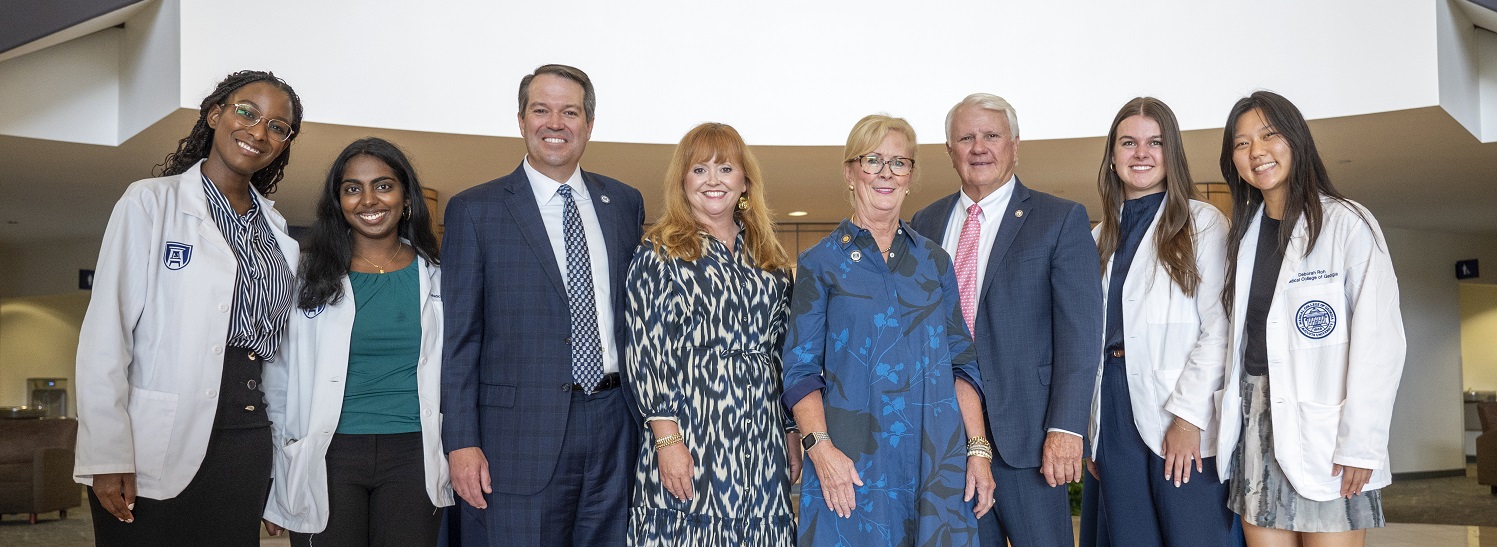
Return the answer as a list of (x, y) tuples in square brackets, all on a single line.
[(314, 312), (1315, 319)]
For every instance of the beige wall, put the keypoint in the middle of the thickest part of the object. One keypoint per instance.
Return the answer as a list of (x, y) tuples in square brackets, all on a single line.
[(45, 267), (39, 339), (1428, 421), (1479, 335)]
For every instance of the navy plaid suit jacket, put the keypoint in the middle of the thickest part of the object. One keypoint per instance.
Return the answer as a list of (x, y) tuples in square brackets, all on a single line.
[(1039, 319), (507, 358)]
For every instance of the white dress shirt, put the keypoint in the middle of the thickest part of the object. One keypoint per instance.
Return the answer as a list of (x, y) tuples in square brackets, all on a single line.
[(993, 207), (551, 204)]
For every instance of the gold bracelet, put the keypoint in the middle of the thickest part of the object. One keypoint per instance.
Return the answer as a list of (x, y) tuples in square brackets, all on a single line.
[(674, 438), (979, 441), (980, 452), (1182, 428)]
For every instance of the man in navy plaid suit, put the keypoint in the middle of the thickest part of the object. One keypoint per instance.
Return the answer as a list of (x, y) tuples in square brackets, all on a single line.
[(539, 432)]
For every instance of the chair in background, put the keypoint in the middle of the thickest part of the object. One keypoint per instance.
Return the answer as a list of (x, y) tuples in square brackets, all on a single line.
[(36, 466), (1486, 445)]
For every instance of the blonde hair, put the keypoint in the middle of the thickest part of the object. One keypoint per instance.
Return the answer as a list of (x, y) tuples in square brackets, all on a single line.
[(870, 132), (676, 234)]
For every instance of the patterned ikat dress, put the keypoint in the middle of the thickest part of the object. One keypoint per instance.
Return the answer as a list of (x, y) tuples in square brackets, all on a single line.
[(704, 349), (888, 344)]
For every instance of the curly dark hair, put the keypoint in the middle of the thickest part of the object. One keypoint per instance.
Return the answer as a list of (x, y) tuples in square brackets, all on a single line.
[(325, 257), (196, 145)]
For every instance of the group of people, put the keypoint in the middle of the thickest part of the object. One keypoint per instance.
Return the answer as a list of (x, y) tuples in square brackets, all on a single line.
[(566, 377)]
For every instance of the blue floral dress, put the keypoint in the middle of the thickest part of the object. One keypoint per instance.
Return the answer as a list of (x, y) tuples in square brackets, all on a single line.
[(885, 341)]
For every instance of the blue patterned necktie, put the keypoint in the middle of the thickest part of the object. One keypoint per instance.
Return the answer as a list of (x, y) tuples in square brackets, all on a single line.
[(587, 349)]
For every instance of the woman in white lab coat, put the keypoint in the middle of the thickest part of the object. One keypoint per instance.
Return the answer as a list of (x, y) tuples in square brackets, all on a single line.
[(1153, 426), (359, 457), (1316, 344), (191, 293)]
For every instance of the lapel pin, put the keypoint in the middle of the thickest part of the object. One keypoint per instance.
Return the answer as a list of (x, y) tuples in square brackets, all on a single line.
[(856, 255), (1019, 213), (605, 199), (846, 238)]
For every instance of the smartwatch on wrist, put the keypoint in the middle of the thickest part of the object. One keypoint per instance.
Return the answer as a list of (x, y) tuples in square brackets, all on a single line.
[(814, 437)]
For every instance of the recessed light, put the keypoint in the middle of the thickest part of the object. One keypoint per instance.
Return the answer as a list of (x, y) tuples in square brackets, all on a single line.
[(796, 214)]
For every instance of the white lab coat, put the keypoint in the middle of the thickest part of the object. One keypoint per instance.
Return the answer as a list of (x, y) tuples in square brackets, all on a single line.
[(151, 349), (309, 381), (1175, 343), (1335, 352)]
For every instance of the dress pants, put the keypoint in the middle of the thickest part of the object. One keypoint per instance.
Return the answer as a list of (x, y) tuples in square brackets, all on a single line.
[(1132, 503), (587, 502), (376, 486), (1028, 512), (223, 503)]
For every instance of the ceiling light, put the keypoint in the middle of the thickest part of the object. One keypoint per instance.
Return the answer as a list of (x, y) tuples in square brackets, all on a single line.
[(796, 214)]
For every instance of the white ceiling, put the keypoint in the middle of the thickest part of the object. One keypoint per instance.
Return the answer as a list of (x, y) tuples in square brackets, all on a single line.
[(1415, 169)]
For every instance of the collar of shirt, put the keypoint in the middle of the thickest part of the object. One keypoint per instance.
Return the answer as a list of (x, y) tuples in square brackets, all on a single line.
[(1141, 210), (545, 187), (219, 204), (848, 234), (993, 205)]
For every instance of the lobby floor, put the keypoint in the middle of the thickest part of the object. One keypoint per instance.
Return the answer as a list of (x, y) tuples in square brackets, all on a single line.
[(76, 531)]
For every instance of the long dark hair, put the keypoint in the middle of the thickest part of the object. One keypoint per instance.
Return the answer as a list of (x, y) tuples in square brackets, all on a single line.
[(196, 145), (1306, 183), (325, 259), (1174, 239)]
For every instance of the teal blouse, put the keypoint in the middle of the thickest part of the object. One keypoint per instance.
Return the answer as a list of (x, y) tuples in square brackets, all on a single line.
[(380, 394)]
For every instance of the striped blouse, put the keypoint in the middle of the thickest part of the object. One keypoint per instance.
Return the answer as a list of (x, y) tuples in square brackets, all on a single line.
[(263, 283)]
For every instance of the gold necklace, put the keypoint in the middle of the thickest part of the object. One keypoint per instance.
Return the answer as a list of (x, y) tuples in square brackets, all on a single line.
[(381, 269)]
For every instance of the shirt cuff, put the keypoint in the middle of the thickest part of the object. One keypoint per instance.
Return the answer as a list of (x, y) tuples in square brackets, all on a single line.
[(800, 390), (666, 418), (1059, 430), (963, 376)]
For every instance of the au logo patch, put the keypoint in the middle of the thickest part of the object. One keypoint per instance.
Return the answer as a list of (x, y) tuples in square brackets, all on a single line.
[(176, 255), (314, 312), (1315, 319)]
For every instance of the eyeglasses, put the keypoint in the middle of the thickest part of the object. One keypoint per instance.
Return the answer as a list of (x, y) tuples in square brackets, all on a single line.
[(249, 116), (873, 164)]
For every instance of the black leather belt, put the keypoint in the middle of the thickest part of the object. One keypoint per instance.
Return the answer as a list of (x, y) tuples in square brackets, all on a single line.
[(1115, 352), (609, 381)]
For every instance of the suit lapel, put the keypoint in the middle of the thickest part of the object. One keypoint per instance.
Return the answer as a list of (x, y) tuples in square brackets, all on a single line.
[(1008, 229), (527, 216)]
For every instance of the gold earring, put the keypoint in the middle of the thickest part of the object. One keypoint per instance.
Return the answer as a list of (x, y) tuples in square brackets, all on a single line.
[(742, 203)]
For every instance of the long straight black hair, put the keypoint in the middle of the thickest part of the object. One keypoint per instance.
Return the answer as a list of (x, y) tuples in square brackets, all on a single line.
[(1307, 180), (325, 260)]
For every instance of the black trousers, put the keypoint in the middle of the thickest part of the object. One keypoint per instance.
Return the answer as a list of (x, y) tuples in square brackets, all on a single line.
[(223, 503), (376, 486)]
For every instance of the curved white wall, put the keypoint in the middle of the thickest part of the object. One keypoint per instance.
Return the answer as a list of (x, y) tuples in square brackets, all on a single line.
[(791, 73)]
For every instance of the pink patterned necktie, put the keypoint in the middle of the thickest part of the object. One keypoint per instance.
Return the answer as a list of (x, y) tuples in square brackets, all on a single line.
[(966, 264)]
